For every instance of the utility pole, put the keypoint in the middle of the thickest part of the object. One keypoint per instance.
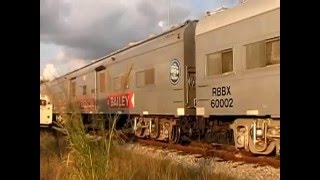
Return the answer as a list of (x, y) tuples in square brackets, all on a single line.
[(168, 13)]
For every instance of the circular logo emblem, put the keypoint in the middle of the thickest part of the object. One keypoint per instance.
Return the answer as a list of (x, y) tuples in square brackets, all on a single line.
[(174, 72)]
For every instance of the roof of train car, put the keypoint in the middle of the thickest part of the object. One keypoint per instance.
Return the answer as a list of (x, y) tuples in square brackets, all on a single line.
[(223, 17), (128, 47)]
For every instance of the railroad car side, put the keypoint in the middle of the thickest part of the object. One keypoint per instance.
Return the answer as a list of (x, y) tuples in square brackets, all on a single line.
[(238, 75), (154, 73), (148, 78), (149, 81)]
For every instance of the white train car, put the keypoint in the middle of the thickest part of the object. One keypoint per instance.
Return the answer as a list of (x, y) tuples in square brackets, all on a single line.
[(238, 75), (45, 111)]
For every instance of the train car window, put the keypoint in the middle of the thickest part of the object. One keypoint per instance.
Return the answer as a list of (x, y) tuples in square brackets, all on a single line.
[(145, 77), (43, 102), (125, 81), (214, 64), (263, 53), (84, 90), (227, 61), (149, 76), (117, 83), (73, 89), (273, 51), (140, 78), (102, 83), (219, 62), (121, 83)]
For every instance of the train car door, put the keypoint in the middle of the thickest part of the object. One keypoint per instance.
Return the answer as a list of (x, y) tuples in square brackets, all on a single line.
[(101, 79), (190, 89), (72, 93)]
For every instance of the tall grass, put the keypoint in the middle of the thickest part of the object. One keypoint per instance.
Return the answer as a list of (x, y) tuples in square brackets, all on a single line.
[(87, 158), (104, 158)]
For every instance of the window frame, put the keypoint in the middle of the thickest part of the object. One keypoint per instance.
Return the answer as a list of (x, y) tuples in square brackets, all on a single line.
[(84, 90), (124, 85), (221, 51), (144, 75), (265, 41)]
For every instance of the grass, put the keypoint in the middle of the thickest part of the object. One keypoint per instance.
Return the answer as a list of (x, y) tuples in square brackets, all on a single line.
[(51, 157), (75, 157)]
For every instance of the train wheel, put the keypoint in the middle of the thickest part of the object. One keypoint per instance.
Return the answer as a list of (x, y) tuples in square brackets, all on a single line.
[(262, 146), (154, 128), (129, 126), (174, 134), (139, 131)]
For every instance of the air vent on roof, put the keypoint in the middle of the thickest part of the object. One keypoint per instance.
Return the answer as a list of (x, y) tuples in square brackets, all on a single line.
[(151, 35), (221, 9), (242, 1), (133, 43)]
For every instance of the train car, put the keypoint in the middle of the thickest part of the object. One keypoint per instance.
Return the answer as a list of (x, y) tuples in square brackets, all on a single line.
[(148, 81), (57, 90), (238, 75), (217, 78), (45, 111)]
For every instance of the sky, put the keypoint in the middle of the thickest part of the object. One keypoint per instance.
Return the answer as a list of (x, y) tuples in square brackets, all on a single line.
[(73, 33)]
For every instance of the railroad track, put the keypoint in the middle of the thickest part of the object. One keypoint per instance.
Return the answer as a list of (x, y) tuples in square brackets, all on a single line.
[(201, 149), (226, 153)]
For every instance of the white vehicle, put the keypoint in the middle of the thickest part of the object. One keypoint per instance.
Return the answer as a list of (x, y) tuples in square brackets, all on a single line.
[(45, 111)]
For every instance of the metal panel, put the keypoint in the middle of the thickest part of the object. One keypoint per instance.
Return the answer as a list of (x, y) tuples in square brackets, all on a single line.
[(242, 91)]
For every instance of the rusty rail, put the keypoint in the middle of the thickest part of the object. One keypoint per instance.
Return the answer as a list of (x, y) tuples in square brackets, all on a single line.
[(225, 153)]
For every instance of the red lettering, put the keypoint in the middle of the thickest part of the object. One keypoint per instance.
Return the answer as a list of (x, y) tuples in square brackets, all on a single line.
[(124, 100), (86, 104)]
